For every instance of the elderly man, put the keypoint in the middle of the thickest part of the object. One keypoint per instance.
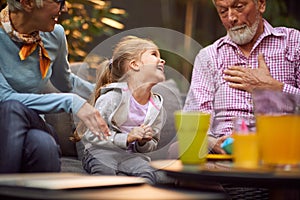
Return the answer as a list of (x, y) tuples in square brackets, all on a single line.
[(253, 55)]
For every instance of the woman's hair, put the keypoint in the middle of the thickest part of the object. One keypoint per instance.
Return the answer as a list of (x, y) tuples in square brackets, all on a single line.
[(14, 5), (115, 69)]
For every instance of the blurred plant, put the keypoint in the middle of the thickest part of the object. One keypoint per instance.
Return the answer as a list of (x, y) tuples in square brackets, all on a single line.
[(85, 20), (2, 4), (277, 13)]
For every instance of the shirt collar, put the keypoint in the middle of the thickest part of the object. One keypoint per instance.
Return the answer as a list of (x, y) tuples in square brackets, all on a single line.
[(268, 30)]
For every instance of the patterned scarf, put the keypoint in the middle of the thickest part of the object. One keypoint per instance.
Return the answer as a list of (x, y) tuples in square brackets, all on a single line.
[(30, 42)]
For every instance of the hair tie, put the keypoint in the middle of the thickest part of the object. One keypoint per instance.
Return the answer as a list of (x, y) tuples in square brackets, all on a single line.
[(110, 63)]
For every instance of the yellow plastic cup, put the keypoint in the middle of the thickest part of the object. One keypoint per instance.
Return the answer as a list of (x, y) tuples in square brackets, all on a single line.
[(245, 150), (279, 137), (192, 136), (278, 128)]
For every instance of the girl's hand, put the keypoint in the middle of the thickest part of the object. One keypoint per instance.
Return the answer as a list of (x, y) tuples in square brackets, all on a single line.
[(142, 134), (136, 133), (148, 134)]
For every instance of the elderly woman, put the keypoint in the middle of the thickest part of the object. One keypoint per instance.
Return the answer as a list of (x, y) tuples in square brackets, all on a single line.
[(34, 51)]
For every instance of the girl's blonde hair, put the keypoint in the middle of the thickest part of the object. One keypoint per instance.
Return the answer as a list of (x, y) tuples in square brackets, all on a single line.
[(115, 69)]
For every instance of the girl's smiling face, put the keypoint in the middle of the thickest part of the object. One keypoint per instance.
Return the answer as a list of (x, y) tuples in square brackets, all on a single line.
[(151, 66)]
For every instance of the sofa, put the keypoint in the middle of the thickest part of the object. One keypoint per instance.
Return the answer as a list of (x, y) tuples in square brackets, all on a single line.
[(64, 124)]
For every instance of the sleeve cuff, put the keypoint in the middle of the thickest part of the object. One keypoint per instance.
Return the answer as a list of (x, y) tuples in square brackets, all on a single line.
[(290, 89), (120, 140), (77, 103)]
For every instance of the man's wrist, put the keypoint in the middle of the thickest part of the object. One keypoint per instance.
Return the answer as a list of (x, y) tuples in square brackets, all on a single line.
[(276, 85)]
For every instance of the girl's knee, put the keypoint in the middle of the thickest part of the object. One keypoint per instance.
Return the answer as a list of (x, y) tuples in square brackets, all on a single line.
[(93, 166)]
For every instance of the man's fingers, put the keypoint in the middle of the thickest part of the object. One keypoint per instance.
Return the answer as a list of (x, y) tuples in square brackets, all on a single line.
[(234, 71), (233, 79)]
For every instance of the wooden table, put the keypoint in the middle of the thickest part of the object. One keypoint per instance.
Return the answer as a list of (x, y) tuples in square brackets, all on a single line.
[(279, 182), (114, 188)]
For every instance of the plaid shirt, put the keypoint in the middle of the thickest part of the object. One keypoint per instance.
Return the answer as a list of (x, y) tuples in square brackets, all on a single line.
[(209, 92)]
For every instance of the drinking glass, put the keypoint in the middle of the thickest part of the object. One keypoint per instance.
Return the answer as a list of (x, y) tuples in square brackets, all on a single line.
[(245, 144), (278, 128), (192, 136)]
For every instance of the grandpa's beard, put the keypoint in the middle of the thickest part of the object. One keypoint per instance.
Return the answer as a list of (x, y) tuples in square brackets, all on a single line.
[(243, 34)]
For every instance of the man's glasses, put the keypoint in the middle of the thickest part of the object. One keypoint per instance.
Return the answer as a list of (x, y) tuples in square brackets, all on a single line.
[(62, 3)]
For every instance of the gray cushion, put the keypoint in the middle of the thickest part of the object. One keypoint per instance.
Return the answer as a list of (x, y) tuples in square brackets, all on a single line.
[(64, 126), (71, 164)]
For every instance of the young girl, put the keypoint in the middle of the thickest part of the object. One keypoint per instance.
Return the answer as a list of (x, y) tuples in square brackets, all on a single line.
[(134, 114)]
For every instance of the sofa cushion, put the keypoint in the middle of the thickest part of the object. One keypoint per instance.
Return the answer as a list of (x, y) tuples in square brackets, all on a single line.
[(64, 126), (71, 164)]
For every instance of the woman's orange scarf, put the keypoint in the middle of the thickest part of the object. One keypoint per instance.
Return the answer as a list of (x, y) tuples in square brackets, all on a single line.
[(30, 42)]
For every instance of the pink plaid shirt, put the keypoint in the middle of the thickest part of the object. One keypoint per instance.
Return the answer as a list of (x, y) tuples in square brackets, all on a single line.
[(210, 93)]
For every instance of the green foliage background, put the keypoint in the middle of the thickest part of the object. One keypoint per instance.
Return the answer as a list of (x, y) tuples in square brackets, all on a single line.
[(83, 22)]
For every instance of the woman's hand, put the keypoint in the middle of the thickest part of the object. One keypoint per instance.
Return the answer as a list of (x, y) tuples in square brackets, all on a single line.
[(92, 119)]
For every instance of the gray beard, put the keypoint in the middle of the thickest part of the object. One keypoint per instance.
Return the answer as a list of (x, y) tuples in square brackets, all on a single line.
[(243, 34)]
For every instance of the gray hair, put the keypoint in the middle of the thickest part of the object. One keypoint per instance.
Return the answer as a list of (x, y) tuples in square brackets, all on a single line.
[(214, 1), (14, 5)]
